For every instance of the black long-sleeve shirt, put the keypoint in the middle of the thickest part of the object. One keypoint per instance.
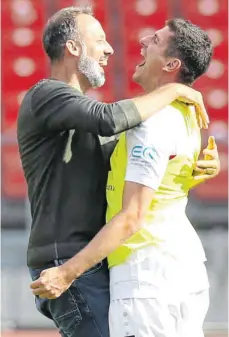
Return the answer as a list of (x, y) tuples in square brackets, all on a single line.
[(65, 163)]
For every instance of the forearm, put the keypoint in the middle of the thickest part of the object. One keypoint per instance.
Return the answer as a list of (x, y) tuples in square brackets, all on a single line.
[(106, 241), (58, 107), (150, 103)]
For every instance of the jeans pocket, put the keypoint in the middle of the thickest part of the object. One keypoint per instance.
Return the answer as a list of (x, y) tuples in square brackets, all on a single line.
[(65, 312), (90, 271)]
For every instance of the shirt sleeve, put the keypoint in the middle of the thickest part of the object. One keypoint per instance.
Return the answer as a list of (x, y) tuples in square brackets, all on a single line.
[(149, 147), (59, 107)]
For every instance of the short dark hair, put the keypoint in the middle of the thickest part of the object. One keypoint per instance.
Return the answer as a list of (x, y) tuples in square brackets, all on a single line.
[(193, 47), (60, 28)]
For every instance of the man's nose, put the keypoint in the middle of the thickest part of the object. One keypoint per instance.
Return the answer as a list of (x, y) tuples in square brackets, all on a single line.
[(144, 41), (109, 50)]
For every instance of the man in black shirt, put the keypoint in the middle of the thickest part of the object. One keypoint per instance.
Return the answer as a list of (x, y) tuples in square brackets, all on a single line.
[(66, 163)]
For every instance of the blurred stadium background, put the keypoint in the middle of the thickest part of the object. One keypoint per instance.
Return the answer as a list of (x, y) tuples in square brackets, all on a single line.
[(24, 63)]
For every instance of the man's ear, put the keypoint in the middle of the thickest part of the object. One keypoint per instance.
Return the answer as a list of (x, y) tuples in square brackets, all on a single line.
[(73, 47), (172, 65)]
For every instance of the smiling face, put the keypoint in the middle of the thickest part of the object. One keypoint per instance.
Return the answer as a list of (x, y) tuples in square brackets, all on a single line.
[(155, 65), (95, 50), (74, 40)]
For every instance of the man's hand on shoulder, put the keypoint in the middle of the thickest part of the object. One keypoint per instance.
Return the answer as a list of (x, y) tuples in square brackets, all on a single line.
[(191, 96)]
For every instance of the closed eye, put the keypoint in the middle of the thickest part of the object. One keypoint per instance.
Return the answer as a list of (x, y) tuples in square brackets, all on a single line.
[(155, 39)]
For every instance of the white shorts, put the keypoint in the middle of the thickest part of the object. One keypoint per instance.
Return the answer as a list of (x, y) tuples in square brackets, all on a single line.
[(156, 317)]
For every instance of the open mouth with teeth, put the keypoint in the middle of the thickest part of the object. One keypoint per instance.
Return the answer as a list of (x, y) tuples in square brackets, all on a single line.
[(142, 62)]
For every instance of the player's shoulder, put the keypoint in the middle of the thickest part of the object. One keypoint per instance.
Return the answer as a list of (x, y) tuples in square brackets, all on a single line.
[(47, 86), (167, 116), (50, 90), (162, 126), (157, 126)]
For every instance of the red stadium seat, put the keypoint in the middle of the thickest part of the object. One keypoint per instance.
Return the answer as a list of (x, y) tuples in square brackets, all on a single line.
[(146, 17), (22, 14), (211, 15), (206, 13), (24, 64)]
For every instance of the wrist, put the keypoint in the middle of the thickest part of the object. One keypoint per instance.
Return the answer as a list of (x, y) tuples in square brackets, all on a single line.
[(69, 273), (179, 90), (174, 90)]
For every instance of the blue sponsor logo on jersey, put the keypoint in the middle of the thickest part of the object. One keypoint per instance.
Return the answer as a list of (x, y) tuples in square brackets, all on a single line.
[(144, 152)]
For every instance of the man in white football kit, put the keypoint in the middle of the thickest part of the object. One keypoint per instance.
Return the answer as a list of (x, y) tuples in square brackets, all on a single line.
[(158, 280)]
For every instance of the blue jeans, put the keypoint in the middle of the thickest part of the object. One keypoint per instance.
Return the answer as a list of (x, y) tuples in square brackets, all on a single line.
[(81, 311)]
